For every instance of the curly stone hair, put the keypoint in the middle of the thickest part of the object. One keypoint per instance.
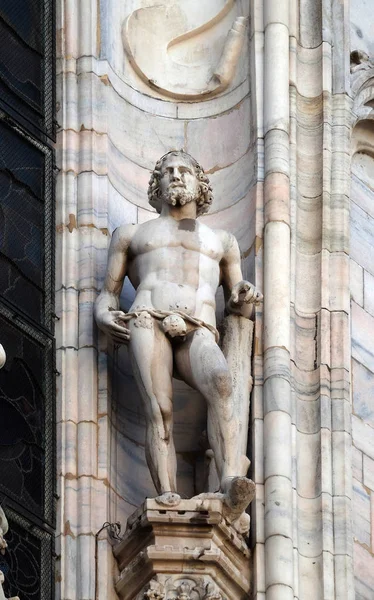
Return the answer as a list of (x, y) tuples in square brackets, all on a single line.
[(205, 197)]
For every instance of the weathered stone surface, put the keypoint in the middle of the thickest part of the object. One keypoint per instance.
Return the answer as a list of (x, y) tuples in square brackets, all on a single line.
[(357, 282), (368, 472), (357, 465), (363, 392), (364, 573), (361, 514), (362, 336), (362, 238), (363, 436)]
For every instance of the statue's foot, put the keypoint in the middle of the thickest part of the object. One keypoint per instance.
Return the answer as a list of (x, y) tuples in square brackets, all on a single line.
[(238, 494), (168, 499), (208, 496)]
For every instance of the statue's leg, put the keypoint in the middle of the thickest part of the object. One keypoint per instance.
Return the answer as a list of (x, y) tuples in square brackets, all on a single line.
[(201, 363), (152, 360)]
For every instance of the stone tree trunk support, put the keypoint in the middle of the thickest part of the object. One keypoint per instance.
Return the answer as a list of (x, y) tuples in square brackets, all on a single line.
[(237, 348), (279, 579)]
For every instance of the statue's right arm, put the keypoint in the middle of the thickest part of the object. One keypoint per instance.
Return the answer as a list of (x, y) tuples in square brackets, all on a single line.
[(107, 313)]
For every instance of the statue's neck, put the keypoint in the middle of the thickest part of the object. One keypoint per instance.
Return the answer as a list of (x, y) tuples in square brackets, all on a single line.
[(188, 211)]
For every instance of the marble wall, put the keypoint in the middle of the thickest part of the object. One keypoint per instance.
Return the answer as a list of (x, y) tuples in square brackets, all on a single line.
[(362, 296), (362, 329)]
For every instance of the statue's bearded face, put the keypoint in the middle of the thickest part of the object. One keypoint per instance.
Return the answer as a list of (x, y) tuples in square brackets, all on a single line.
[(178, 183)]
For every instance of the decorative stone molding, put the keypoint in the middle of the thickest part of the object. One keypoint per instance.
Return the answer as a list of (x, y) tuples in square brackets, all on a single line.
[(188, 552), (178, 588)]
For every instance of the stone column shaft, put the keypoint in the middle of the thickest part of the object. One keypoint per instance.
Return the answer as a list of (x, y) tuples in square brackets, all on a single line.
[(277, 404)]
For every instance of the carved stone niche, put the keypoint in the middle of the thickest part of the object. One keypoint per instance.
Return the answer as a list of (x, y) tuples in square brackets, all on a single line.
[(188, 552)]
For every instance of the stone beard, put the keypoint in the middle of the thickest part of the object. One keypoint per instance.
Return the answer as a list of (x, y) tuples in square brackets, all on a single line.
[(176, 265), (177, 194)]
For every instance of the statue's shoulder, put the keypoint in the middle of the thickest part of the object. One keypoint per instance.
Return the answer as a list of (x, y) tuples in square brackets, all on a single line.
[(123, 235), (226, 238)]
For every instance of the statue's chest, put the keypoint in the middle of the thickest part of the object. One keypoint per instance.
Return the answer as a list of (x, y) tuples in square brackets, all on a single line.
[(179, 241)]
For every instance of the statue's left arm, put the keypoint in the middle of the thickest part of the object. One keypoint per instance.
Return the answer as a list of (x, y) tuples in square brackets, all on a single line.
[(240, 295)]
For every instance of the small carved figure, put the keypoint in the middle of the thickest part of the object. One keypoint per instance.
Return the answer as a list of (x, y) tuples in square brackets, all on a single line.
[(154, 591), (3, 531), (2, 357), (3, 546), (184, 590), (212, 592), (176, 264)]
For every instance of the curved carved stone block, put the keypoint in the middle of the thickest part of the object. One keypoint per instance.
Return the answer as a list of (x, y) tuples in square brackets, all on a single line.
[(150, 36)]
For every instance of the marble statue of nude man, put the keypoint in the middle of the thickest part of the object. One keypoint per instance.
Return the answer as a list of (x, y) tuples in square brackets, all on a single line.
[(176, 264)]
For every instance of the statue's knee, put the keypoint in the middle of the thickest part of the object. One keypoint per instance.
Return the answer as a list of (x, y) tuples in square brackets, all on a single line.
[(221, 380), (160, 413), (165, 415)]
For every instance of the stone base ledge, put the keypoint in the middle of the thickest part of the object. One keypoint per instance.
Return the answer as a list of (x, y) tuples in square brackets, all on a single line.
[(187, 552)]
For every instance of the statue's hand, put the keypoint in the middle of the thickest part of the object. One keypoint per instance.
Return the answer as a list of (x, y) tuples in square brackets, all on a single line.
[(112, 323), (243, 293)]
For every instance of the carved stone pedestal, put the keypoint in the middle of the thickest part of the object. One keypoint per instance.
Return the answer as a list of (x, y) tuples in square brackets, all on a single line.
[(187, 552)]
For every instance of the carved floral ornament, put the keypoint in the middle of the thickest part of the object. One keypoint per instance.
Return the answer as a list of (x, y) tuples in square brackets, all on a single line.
[(166, 61), (187, 588)]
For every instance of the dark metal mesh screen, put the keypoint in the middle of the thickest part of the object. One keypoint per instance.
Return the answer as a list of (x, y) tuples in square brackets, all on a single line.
[(26, 213), (27, 417), (27, 58), (27, 563), (27, 382)]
